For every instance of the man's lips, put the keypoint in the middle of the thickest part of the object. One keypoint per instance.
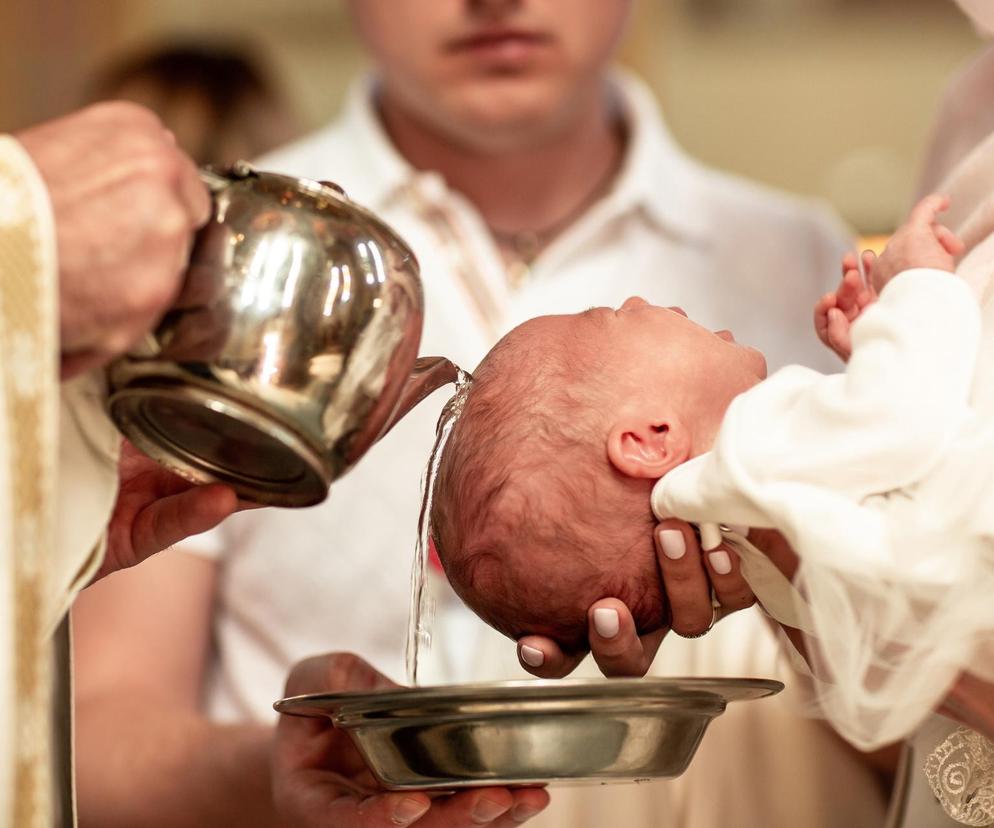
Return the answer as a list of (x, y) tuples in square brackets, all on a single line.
[(499, 40)]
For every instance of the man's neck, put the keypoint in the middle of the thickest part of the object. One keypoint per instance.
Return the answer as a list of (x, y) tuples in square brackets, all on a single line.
[(524, 189)]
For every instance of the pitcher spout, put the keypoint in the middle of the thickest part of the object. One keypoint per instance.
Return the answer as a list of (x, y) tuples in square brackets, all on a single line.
[(428, 375)]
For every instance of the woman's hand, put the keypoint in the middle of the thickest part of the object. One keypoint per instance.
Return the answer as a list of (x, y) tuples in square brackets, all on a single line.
[(688, 575)]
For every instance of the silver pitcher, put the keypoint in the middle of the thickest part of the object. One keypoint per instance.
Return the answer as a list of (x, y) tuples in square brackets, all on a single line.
[(301, 354)]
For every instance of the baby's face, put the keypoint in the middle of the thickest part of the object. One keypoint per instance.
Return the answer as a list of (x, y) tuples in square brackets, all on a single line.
[(641, 344)]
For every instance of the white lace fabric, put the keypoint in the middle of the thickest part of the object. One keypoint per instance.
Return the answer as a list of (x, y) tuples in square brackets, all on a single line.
[(960, 772)]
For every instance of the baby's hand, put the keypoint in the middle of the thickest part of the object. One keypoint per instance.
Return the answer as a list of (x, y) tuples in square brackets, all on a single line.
[(835, 312), (920, 242)]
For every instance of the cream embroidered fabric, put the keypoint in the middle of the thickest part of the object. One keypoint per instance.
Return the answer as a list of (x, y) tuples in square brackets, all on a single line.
[(28, 415), (58, 484), (960, 772)]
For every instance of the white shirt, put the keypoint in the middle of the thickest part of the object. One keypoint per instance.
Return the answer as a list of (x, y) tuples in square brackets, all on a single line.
[(337, 576), (881, 480)]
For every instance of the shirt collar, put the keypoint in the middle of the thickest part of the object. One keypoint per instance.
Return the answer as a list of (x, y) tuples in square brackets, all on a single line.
[(379, 171), (656, 176)]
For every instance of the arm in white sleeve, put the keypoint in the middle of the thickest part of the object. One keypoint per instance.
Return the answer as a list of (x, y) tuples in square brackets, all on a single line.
[(879, 426)]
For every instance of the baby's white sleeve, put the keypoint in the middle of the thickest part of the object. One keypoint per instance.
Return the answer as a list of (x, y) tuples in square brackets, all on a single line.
[(895, 607), (879, 426), (884, 422)]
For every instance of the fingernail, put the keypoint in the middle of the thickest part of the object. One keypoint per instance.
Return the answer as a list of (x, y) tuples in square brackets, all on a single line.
[(409, 810), (523, 813), (532, 656), (674, 546), (606, 622), (487, 810), (720, 562)]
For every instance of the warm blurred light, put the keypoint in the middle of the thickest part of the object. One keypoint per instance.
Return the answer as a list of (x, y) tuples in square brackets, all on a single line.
[(874, 243)]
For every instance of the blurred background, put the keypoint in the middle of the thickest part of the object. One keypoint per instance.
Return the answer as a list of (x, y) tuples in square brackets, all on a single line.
[(830, 98)]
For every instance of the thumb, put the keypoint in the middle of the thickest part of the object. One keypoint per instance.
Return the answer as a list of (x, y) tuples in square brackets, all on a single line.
[(171, 519), (838, 333), (332, 673), (952, 243)]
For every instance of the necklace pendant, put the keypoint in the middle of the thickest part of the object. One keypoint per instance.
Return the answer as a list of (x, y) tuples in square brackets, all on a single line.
[(518, 273)]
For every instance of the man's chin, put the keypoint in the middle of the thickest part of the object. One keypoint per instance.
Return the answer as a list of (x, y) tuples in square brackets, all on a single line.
[(507, 114)]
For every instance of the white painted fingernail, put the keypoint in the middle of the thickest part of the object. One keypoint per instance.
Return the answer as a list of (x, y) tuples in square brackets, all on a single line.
[(720, 562), (532, 656), (606, 622), (710, 536), (674, 546)]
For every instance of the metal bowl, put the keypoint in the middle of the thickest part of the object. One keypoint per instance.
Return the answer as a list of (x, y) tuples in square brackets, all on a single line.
[(530, 732)]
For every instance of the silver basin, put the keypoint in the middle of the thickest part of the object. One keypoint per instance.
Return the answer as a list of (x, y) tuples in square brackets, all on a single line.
[(530, 732)]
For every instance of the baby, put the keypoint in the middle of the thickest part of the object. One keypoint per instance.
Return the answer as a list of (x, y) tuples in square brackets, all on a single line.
[(542, 500), (545, 496)]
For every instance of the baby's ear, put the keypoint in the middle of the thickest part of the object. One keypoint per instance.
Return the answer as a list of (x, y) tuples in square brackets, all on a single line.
[(647, 448)]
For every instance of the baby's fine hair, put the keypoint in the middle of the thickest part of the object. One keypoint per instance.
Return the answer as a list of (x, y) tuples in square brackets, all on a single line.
[(529, 519)]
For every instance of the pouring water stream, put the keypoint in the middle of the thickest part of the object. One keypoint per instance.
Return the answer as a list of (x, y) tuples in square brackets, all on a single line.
[(419, 626)]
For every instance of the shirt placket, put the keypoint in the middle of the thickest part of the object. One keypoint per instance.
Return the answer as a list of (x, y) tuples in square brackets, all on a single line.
[(466, 248)]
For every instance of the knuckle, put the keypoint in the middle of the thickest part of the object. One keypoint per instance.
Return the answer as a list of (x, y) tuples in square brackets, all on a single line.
[(682, 576), (160, 165), (172, 223), (613, 650), (737, 600), (127, 112), (149, 161)]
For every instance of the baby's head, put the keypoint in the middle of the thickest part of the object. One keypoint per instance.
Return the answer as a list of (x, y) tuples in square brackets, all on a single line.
[(541, 505)]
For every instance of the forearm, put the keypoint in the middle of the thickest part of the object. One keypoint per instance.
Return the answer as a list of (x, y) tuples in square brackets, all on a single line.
[(142, 765)]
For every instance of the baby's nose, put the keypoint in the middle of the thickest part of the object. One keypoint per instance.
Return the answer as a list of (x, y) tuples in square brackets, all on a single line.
[(634, 302)]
